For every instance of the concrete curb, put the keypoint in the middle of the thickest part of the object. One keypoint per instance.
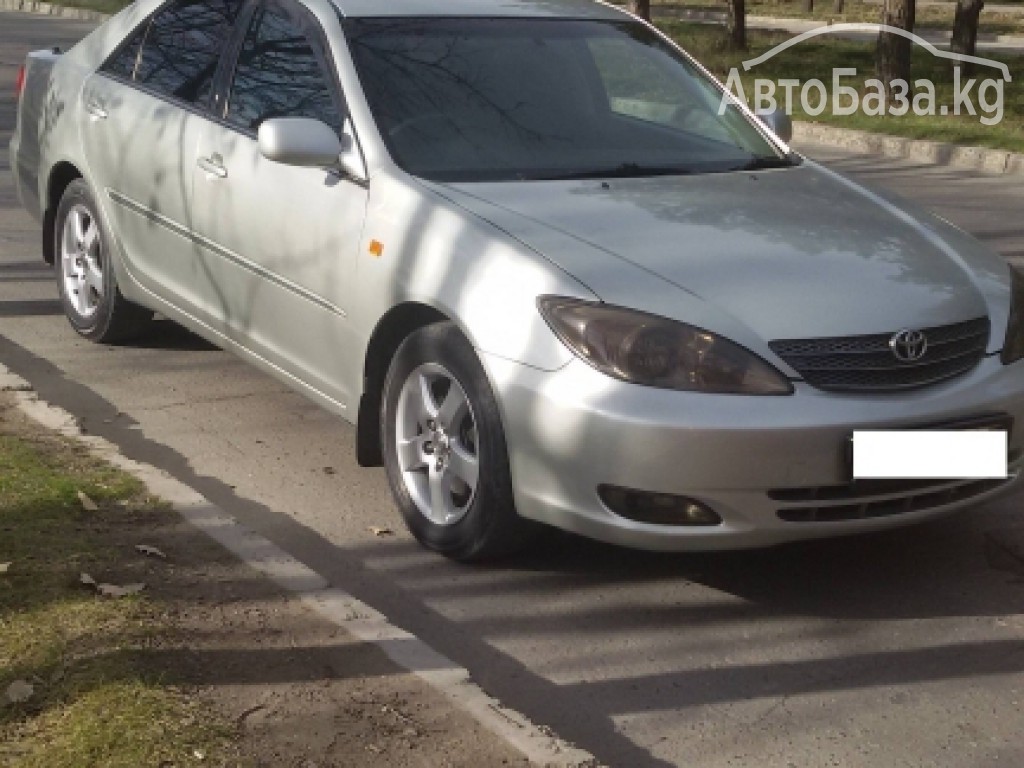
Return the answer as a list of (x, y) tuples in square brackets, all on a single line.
[(51, 9), (935, 35), (971, 158)]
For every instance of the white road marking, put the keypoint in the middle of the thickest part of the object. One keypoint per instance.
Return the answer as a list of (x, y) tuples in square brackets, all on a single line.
[(406, 650)]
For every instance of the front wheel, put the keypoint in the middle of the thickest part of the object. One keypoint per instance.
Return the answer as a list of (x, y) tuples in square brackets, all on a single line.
[(85, 276), (444, 449)]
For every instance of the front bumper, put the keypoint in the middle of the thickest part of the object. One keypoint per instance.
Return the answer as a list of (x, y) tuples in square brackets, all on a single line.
[(572, 430)]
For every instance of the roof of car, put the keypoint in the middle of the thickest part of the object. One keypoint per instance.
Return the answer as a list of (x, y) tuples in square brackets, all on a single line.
[(574, 9)]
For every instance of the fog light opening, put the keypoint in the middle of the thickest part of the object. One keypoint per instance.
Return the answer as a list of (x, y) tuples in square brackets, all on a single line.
[(657, 508)]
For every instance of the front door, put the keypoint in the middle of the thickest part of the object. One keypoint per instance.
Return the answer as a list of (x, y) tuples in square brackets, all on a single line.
[(143, 113), (280, 241)]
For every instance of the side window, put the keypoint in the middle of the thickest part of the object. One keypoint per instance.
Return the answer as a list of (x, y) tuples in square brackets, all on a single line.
[(122, 63), (639, 87), (279, 74), (181, 51)]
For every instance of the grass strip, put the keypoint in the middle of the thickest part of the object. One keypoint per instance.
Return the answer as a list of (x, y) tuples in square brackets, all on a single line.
[(94, 702)]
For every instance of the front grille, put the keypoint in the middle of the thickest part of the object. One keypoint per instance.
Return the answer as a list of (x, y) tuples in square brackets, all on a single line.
[(863, 499), (866, 364)]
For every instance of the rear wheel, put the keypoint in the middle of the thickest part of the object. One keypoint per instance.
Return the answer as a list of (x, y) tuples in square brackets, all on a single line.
[(444, 449), (85, 276)]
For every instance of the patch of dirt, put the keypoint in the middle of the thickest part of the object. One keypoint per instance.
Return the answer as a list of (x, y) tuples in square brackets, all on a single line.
[(301, 692)]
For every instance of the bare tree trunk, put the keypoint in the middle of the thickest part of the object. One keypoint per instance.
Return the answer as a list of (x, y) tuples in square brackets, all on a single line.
[(892, 57), (965, 30), (737, 24), (839, 6), (641, 8), (808, 6)]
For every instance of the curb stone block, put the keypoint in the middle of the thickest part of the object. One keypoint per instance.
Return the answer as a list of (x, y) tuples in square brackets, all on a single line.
[(967, 157), (51, 9), (934, 152), (993, 161), (894, 146)]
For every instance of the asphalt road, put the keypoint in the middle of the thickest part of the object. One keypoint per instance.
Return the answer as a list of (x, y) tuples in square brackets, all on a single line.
[(898, 649)]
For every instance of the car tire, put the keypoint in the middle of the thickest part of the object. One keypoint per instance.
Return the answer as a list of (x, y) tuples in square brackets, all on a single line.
[(85, 276), (439, 420)]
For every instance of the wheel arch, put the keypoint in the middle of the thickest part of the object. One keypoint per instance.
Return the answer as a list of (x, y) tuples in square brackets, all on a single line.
[(391, 330), (60, 176)]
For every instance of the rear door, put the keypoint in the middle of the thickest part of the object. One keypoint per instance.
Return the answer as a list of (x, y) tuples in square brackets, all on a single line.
[(141, 117), (280, 240)]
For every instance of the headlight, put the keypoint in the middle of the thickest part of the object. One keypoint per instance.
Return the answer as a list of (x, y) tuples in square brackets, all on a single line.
[(656, 352), (1013, 346)]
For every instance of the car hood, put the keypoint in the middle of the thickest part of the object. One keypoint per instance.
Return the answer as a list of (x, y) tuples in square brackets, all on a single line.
[(789, 253)]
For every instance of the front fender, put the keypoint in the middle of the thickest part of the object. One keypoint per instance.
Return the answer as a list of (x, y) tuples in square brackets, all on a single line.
[(434, 253)]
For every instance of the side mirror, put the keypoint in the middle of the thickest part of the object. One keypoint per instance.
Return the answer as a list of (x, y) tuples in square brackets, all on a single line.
[(351, 159), (778, 122), (300, 141)]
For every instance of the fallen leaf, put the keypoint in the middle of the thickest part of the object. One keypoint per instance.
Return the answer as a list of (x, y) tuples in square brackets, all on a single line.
[(112, 590), (250, 711), (5, 567), (19, 691), (87, 504), (199, 754), (380, 531), (146, 549)]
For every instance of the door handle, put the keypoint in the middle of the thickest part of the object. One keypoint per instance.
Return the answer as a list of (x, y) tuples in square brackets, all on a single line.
[(96, 110), (213, 165)]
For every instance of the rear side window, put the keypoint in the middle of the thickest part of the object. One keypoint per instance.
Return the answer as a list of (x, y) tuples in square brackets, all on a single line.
[(182, 47), (280, 74), (122, 63)]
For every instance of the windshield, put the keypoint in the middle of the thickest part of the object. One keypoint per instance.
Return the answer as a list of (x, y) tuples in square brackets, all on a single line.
[(477, 99)]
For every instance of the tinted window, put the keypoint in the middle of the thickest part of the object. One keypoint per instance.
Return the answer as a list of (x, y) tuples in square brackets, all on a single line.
[(122, 63), (641, 88), (485, 99), (279, 74), (181, 51)]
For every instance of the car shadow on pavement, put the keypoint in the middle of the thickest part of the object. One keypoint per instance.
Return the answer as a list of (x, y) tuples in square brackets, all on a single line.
[(35, 271), (944, 568), (662, 635), (30, 308), (168, 335)]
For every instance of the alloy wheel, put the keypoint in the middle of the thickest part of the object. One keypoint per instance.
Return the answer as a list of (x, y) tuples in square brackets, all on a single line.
[(81, 255), (436, 442)]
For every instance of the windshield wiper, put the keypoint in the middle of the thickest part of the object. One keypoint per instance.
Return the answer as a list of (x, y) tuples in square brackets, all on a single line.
[(764, 163), (622, 171)]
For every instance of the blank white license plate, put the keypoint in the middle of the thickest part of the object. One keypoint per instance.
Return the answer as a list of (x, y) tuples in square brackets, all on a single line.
[(929, 454)]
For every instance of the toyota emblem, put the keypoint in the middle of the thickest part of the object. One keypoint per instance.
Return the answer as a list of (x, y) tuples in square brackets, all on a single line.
[(908, 345)]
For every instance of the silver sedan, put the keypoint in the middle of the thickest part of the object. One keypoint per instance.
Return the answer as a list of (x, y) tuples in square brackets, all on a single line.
[(530, 250)]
